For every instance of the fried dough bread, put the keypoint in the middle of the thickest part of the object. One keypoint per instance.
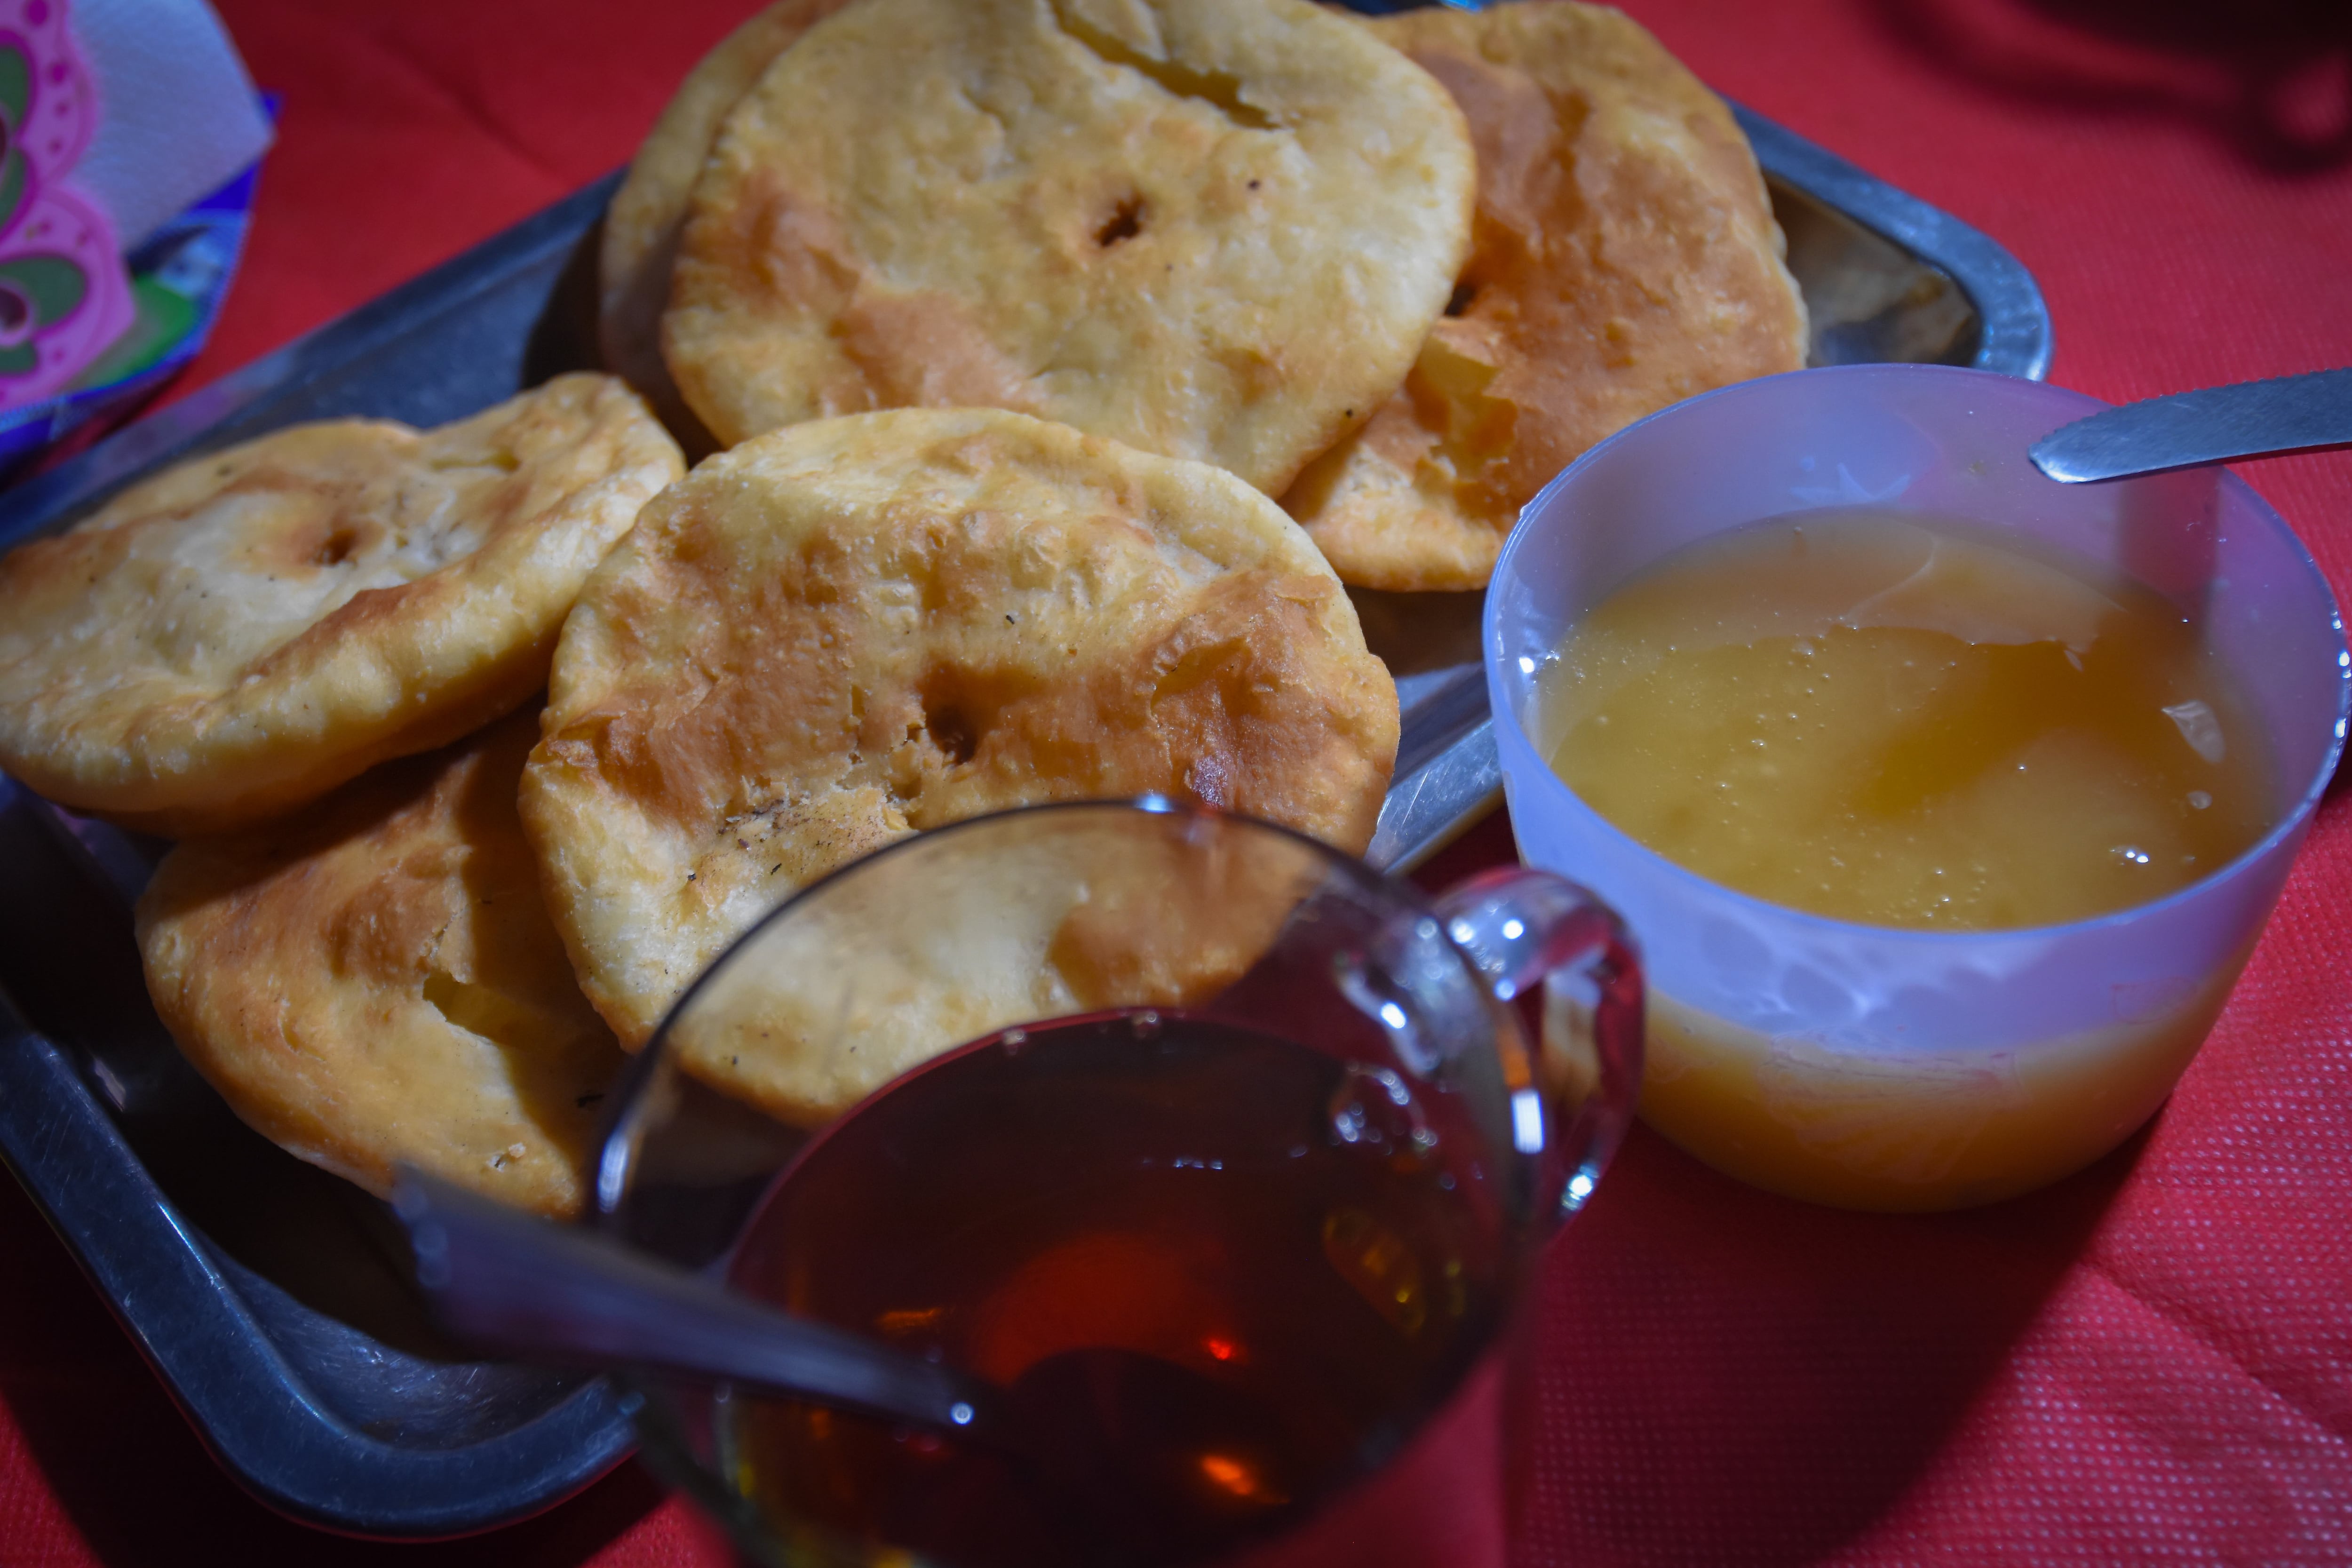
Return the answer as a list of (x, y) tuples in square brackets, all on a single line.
[(960, 934), (642, 224), (1214, 229), (374, 980), (250, 630), (849, 630), (1624, 257)]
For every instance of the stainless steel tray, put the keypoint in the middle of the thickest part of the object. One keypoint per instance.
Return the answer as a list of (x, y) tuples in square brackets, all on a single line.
[(274, 1300)]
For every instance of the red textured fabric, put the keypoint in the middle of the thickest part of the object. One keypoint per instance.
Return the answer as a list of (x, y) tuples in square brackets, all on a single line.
[(2149, 1363)]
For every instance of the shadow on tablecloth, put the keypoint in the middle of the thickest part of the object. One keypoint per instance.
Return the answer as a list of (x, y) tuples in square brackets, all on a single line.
[(1732, 1378), (2270, 78)]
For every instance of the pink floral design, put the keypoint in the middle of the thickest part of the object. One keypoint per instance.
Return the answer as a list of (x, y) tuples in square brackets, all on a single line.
[(64, 296)]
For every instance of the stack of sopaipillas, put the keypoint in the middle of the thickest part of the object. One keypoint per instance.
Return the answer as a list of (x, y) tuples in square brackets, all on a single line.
[(1059, 360)]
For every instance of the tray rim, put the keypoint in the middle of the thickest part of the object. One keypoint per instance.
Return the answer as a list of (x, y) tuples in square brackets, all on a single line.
[(2016, 337), (228, 1379), (65, 1150)]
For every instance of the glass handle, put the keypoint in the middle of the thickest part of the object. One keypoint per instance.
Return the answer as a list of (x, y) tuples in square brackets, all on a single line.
[(1519, 926)]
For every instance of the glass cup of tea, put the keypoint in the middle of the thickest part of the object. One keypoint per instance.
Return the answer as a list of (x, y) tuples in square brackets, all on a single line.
[(1871, 1066), (1221, 1153)]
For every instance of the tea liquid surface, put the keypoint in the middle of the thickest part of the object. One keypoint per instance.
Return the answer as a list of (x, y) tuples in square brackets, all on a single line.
[(1861, 715), (1249, 1210)]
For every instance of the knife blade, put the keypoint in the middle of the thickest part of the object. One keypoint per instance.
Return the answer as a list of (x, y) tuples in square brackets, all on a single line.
[(2248, 419)]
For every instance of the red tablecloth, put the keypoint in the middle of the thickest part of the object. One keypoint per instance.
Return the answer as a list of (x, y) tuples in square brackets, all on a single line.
[(2149, 1363)]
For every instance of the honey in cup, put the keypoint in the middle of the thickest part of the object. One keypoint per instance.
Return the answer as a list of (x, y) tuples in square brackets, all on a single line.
[(1904, 974), (1894, 721)]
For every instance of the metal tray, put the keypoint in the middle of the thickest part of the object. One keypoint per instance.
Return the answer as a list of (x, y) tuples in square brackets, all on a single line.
[(274, 1300)]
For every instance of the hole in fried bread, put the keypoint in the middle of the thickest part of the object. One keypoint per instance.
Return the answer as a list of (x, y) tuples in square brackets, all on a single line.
[(1126, 223), (336, 548), (948, 719), (490, 1012), (1459, 304), (1219, 89), (499, 461), (952, 732)]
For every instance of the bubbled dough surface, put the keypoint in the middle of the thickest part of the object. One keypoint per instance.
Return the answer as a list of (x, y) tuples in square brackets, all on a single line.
[(960, 936), (846, 631), (643, 222), (1624, 256), (375, 979), (250, 630), (1216, 229)]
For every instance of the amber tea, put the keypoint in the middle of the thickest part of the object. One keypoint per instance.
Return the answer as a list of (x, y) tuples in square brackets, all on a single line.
[(1306, 1245)]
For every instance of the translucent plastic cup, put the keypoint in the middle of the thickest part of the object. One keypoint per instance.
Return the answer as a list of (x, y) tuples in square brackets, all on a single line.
[(1881, 1069)]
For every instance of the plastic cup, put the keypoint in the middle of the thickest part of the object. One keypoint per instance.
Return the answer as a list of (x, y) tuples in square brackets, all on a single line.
[(1898, 1069)]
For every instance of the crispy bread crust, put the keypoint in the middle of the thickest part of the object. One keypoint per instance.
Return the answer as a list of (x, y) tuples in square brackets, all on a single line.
[(642, 224), (958, 936), (1214, 229), (1625, 257), (249, 630), (850, 630), (375, 979)]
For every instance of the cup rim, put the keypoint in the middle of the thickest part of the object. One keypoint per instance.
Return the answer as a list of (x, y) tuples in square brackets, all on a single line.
[(1149, 805), (2290, 826)]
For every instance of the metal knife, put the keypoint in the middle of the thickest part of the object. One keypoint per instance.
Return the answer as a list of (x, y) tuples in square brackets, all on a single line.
[(2249, 419)]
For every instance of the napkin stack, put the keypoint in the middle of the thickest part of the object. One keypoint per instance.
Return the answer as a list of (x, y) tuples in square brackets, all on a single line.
[(178, 117), (131, 130)]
